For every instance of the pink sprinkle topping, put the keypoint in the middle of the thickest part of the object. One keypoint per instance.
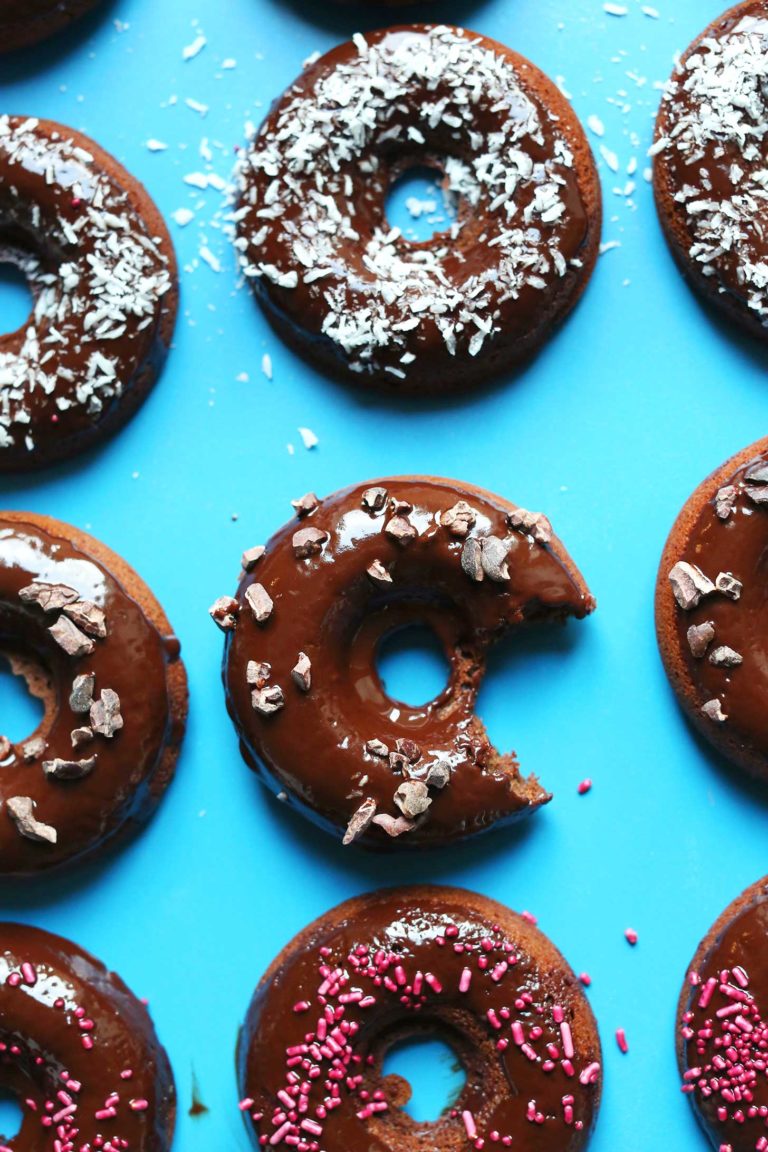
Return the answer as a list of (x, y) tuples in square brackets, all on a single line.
[(621, 1040), (469, 1124), (584, 787), (631, 936), (529, 918), (585, 979)]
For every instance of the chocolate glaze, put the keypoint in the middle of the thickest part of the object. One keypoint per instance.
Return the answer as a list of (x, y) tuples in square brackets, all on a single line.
[(96, 341), (54, 1000), (393, 964), (732, 961), (703, 170), (473, 260), (326, 606), (132, 661), (39, 19), (736, 545)]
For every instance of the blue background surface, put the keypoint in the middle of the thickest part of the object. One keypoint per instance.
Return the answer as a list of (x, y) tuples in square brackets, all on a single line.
[(627, 409)]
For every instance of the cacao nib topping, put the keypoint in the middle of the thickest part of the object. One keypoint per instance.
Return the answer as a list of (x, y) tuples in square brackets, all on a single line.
[(375, 500), (87, 616), (459, 519), (472, 560), (438, 775), (534, 524), (33, 749), (257, 673), (412, 798), (105, 714), (69, 637), (305, 505), (757, 495), (81, 696), (360, 821), (225, 612), (393, 825), (409, 749), (689, 585), (713, 711), (725, 501), (5, 748), (251, 557), (700, 636), (400, 529), (21, 810), (378, 573), (484, 556), (49, 597), (81, 736), (302, 672), (266, 701), (69, 769), (758, 473), (725, 657), (377, 748), (260, 603), (727, 583), (309, 542)]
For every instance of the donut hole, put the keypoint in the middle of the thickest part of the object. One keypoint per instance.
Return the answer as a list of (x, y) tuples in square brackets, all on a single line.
[(425, 1076), (412, 665), (16, 297), (11, 1115), (23, 689), (421, 202)]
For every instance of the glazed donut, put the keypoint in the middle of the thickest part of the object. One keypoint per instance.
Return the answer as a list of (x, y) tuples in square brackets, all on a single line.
[(35, 20), (349, 291), (419, 961), (710, 164), (302, 635), (102, 271), (93, 643), (79, 1051), (709, 604), (721, 1036)]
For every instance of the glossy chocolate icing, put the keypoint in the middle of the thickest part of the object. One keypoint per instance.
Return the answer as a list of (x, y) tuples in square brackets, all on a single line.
[(722, 1035), (710, 172), (410, 961), (102, 276), (326, 606), (735, 545), (75, 1042), (131, 661), (358, 298)]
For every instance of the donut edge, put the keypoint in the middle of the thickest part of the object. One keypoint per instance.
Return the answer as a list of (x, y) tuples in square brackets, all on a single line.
[(19, 34)]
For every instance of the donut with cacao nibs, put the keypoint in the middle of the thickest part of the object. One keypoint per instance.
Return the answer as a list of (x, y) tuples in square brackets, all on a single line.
[(302, 635), (721, 1034), (353, 294), (421, 961), (36, 20), (709, 167), (709, 609), (93, 643), (79, 1051), (101, 267)]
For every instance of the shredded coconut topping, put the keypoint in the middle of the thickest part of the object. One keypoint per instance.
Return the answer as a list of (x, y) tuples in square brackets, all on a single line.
[(717, 121), (313, 181), (97, 279)]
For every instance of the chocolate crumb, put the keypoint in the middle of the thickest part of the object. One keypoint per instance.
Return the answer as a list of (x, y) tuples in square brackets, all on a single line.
[(459, 519), (360, 820), (69, 637), (727, 583), (305, 504), (713, 711), (87, 616), (472, 559), (33, 749), (69, 769), (725, 657), (377, 748), (257, 673), (251, 557), (493, 556), (21, 809), (700, 636), (534, 524), (302, 672), (689, 584), (5, 747), (393, 825), (268, 700), (374, 500), (412, 798), (378, 573), (81, 696), (438, 776), (49, 597), (260, 603), (105, 714), (399, 528), (725, 501), (224, 612), (80, 736), (309, 542)]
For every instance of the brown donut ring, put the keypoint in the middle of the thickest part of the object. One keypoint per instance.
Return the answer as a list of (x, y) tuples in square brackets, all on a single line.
[(76, 1038), (693, 237), (737, 939), (342, 748), (400, 949), (94, 346), (39, 20), (136, 763), (457, 309), (734, 545)]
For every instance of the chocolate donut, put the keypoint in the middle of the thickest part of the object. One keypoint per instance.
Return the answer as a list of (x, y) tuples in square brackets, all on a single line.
[(302, 635), (350, 292), (79, 1051), (709, 608), (722, 1037), (102, 271), (35, 20), (93, 643), (419, 961), (709, 165)]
